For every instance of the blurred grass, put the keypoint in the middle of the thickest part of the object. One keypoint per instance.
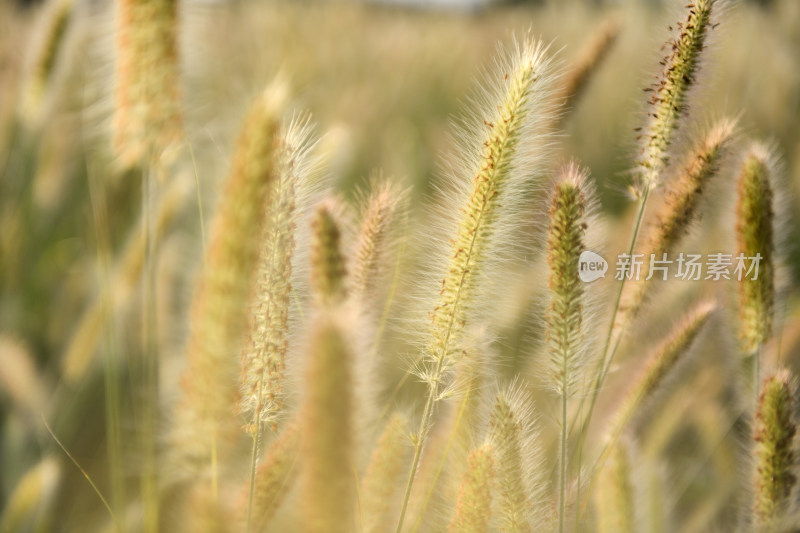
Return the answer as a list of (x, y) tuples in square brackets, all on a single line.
[(384, 84)]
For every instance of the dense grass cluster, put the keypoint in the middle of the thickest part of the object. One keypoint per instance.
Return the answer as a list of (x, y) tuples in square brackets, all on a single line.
[(216, 317)]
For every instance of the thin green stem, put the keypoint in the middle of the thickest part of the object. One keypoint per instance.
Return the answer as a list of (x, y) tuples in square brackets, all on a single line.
[(84, 472), (605, 361)]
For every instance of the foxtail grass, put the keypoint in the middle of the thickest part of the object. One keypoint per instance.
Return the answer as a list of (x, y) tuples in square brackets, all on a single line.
[(328, 265), (25, 505), (666, 106), (274, 477), (775, 451), (565, 243), (512, 434), (44, 61), (669, 94), (219, 310), (755, 236), (615, 504), (384, 474), (589, 59), (474, 507), (264, 354), (681, 208), (147, 108), (517, 107), (381, 208), (328, 489)]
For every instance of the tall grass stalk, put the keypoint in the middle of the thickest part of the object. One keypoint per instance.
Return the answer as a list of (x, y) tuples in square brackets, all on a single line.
[(479, 217), (659, 368), (219, 317), (665, 108), (755, 237), (264, 354), (565, 243)]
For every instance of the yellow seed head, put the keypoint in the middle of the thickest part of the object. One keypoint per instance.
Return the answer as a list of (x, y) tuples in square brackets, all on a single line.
[(614, 499), (565, 242), (775, 430), (755, 219), (327, 424), (474, 507), (669, 94), (275, 476), (384, 475), (327, 261), (147, 116), (219, 311)]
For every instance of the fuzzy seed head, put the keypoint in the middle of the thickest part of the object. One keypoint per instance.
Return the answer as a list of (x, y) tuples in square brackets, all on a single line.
[(589, 60), (474, 507), (480, 213), (327, 488), (755, 219), (384, 475), (54, 25), (327, 261), (664, 361), (775, 430), (565, 242), (147, 116), (615, 502), (680, 210), (506, 434), (275, 476), (264, 356), (373, 238), (669, 94), (219, 311)]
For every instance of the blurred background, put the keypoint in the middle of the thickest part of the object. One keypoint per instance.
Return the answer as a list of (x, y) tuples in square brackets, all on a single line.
[(383, 81)]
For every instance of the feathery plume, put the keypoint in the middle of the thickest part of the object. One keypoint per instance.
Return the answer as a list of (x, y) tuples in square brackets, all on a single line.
[(327, 424), (516, 111), (265, 352), (474, 507), (669, 93), (775, 430), (755, 219), (383, 474), (147, 115), (615, 502), (219, 311)]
